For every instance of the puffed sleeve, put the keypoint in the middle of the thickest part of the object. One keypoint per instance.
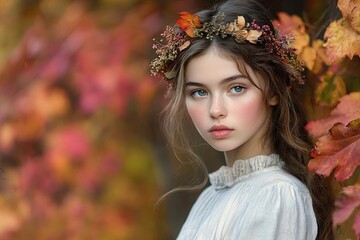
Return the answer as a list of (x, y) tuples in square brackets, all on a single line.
[(281, 211)]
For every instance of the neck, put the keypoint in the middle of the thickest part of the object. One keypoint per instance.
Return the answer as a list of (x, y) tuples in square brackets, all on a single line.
[(246, 151)]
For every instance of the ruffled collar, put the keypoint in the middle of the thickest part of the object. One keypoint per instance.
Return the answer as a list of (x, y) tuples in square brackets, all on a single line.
[(228, 176)]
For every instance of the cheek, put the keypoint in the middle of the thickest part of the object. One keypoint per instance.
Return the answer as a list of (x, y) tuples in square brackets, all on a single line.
[(195, 113), (250, 111)]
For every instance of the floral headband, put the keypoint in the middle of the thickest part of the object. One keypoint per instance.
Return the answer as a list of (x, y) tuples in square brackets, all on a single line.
[(176, 39)]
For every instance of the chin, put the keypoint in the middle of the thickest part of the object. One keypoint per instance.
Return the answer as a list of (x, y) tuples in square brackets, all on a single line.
[(223, 147)]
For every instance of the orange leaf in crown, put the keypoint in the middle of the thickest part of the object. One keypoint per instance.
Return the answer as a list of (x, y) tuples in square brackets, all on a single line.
[(188, 22)]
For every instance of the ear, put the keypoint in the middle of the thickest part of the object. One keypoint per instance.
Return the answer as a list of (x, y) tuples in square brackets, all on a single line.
[(274, 100)]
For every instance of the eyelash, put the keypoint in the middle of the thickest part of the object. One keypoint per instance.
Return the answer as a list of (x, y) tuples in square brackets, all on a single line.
[(195, 91), (238, 86)]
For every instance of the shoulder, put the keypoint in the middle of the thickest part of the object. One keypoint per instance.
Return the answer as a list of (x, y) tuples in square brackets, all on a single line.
[(279, 191), (281, 207), (280, 181), (282, 194)]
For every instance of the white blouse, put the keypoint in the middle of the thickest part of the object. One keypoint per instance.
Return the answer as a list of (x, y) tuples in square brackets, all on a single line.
[(253, 199)]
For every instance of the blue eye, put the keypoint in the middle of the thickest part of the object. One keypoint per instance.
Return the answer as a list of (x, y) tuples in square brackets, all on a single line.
[(198, 93), (237, 89)]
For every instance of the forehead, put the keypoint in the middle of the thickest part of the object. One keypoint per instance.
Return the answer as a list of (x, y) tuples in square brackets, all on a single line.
[(214, 65)]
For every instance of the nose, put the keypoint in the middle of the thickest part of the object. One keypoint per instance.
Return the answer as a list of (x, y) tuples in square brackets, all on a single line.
[(217, 107)]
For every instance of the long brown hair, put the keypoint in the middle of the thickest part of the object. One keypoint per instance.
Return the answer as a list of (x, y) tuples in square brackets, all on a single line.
[(286, 134)]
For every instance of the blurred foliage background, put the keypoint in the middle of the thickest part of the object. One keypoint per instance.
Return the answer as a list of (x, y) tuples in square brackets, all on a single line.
[(81, 151)]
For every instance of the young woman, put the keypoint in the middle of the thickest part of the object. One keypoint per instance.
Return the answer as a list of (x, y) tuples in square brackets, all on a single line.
[(238, 80)]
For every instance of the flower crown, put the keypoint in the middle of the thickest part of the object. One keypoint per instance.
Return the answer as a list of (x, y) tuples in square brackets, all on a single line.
[(176, 39)]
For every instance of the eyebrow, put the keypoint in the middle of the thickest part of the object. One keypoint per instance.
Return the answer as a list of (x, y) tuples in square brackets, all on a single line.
[(225, 80)]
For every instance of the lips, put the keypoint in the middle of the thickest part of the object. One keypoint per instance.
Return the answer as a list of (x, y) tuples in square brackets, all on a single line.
[(220, 131)]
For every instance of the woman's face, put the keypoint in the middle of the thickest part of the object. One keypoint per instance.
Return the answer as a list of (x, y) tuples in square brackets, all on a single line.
[(225, 107)]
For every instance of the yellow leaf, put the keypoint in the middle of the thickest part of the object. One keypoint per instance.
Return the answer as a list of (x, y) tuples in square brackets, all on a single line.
[(355, 19), (302, 40), (350, 9), (318, 45), (345, 7), (308, 56), (342, 40), (330, 89), (321, 57)]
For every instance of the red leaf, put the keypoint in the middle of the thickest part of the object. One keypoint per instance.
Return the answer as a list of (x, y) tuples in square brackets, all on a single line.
[(338, 151), (346, 205), (347, 110), (188, 22), (287, 24)]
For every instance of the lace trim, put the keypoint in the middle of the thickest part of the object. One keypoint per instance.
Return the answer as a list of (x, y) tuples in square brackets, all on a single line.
[(228, 176)]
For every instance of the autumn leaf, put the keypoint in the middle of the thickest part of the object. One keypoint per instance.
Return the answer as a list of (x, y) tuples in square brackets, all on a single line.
[(308, 56), (350, 9), (302, 40), (321, 57), (288, 24), (338, 151), (346, 205), (343, 36), (342, 40), (330, 89), (293, 24), (314, 56), (347, 110), (188, 22), (355, 21)]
